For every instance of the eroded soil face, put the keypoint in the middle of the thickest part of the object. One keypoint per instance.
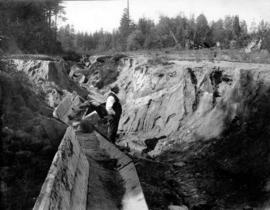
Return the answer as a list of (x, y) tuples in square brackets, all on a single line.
[(206, 121), (210, 119), (204, 124)]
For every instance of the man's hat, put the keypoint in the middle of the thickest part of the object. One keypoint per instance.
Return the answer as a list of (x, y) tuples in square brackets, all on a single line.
[(115, 89)]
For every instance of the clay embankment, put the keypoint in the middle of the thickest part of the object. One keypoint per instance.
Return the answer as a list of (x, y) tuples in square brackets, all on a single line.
[(208, 120)]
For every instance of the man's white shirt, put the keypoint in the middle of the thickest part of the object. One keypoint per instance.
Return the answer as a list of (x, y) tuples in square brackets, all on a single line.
[(109, 104)]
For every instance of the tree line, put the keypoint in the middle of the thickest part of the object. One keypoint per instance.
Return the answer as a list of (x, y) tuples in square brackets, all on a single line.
[(180, 31), (30, 26)]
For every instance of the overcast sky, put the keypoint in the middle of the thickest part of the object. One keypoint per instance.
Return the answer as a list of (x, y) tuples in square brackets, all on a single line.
[(90, 16)]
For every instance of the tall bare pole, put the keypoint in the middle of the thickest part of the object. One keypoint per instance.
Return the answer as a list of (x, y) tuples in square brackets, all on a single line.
[(128, 9)]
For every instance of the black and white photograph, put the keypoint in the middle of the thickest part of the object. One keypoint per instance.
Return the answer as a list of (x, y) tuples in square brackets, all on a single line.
[(134, 104)]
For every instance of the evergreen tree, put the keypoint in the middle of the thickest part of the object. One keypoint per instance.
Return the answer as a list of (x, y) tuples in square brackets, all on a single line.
[(218, 31), (67, 37), (169, 32), (236, 28), (30, 24), (202, 34), (126, 27)]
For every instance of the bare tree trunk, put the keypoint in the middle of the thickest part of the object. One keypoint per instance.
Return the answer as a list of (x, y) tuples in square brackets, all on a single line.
[(174, 38), (50, 17), (55, 24)]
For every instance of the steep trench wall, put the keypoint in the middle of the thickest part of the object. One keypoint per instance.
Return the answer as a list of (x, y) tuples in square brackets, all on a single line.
[(189, 100), (210, 119)]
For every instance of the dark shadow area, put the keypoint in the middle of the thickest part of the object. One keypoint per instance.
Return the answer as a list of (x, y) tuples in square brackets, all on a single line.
[(159, 188), (29, 140), (151, 144)]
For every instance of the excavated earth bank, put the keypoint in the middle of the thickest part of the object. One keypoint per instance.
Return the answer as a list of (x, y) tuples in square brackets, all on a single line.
[(203, 127), (210, 120), (207, 122)]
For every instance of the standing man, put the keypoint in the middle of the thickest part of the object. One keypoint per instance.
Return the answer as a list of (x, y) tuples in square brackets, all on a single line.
[(114, 110)]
